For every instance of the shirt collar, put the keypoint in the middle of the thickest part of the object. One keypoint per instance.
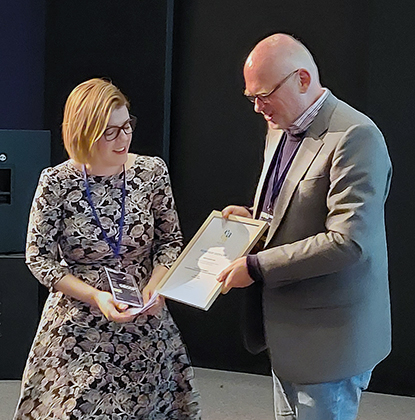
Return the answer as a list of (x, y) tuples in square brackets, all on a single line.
[(301, 124)]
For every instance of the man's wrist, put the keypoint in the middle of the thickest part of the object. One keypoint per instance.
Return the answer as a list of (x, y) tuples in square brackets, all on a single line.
[(254, 269)]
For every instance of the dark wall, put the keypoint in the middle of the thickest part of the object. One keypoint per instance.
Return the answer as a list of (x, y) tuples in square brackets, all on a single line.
[(22, 45), (216, 137), (391, 102), (18, 315), (365, 54), (124, 41)]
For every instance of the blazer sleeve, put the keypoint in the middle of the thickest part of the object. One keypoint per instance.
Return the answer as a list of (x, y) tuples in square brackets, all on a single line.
[(360, 172)]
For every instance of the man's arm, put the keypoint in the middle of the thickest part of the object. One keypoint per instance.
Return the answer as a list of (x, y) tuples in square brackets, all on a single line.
[(359, 183)]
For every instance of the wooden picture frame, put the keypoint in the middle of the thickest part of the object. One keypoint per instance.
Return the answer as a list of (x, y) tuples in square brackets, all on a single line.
[(218, 242)]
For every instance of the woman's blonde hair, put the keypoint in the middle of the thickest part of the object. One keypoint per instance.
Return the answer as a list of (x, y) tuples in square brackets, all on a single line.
[(87, 111)]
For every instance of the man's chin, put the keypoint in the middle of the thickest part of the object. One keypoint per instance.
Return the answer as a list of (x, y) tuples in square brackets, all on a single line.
[(273, 126)]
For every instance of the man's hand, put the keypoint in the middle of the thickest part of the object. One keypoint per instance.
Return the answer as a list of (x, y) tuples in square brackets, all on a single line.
[(237, 211), (235, 275)]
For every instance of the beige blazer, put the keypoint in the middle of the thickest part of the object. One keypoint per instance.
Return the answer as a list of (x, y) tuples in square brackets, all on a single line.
[(325, 299)]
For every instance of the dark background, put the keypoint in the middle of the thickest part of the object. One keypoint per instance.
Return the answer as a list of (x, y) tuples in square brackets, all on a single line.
[(181, 66)]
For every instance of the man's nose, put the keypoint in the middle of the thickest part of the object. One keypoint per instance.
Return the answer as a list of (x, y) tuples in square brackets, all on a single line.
[(258, 105)]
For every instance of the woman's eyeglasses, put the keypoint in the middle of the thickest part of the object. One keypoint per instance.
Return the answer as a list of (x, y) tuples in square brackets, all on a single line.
[(111, 133)]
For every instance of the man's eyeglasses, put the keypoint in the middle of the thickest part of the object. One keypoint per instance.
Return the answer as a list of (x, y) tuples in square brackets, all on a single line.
[(111, 133), (264, 97)]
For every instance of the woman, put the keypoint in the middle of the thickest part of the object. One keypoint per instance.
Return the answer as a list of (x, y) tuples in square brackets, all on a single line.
[(92, 358)]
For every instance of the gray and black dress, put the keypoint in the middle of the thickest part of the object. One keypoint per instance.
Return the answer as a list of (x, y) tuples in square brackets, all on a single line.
[(82, 366)]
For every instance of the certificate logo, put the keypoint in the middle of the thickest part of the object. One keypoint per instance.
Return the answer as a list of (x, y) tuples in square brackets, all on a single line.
[(226, 235)]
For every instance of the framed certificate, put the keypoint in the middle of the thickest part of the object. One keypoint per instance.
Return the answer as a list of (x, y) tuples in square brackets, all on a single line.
[(192, 278)]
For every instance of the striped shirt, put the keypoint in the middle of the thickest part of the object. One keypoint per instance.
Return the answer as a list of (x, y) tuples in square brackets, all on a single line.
[(304, 121), (285, 153)]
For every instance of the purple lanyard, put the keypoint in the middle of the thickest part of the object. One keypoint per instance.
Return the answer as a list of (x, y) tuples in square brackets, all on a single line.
[(114, 245), (280, 178)]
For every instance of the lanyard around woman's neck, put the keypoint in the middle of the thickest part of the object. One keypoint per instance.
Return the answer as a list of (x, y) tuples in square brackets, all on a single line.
[(114, 245)]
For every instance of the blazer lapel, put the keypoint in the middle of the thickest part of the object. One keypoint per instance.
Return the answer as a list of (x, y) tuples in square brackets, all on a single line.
[(305, 155), (272, 141), (308, 150)]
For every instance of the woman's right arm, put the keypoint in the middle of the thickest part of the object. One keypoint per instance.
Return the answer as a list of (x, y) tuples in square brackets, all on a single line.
[(74, 287), (42, 251)]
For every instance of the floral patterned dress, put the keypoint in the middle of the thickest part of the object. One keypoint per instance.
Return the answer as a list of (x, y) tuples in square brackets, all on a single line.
[(81, 366)]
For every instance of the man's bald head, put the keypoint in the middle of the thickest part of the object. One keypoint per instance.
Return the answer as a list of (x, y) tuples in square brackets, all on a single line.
[(281, 53), (270, 62)]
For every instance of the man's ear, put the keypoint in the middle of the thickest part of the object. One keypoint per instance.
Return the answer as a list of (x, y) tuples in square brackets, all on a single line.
[(304, 80)]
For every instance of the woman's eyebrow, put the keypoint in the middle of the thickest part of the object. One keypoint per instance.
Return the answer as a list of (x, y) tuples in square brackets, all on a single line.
[(114, 126)]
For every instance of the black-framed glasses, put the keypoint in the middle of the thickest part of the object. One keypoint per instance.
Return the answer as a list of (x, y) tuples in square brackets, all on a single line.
[(111, 133), (264, 97)]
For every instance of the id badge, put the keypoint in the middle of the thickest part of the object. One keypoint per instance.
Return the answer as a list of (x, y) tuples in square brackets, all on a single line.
[(266, 217), (124, 288)]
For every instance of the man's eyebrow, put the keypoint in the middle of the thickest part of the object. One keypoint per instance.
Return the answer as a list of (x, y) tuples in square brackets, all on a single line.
[(246, 93)]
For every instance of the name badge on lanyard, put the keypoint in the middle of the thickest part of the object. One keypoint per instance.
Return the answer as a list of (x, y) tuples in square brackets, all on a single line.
[(266, 217)]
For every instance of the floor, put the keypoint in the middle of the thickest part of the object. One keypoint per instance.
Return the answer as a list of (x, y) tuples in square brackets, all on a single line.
[(240, 396)]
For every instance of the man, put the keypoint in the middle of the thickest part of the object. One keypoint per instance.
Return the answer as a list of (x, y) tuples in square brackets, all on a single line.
[(323, 269)]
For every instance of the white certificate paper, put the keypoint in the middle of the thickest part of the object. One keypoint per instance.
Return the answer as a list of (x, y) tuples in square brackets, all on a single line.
[(192, 279)]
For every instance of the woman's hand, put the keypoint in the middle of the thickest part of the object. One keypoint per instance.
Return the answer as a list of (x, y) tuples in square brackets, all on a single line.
[(78, 289), (157, 308), (113, 311), (150, 289)]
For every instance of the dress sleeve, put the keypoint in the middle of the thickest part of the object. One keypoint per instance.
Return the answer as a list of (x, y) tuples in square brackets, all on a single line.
[(42, 249), (168, 239)]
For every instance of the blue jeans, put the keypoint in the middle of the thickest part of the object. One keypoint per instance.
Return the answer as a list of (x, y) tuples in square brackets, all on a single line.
[(324, 401)]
